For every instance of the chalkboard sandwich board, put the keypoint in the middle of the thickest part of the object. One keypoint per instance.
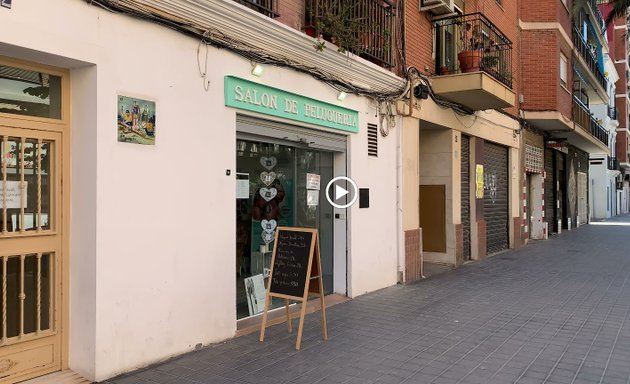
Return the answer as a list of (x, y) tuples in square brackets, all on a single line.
[(294, 263)]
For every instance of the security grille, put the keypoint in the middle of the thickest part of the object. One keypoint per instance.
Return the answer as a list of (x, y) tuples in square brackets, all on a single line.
[(465, 177), (496, 197), (372, 134), (534, 162)]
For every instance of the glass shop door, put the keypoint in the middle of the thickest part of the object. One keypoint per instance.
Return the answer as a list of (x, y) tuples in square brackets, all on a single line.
[(276, 187)]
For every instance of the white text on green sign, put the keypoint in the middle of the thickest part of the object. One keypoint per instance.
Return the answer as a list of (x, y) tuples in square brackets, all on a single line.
[(244, 94)]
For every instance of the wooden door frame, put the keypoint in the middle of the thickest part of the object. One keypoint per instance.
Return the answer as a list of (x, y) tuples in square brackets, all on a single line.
[(61, 126)]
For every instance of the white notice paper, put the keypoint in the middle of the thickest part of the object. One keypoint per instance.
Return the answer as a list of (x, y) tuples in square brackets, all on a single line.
[(312, 181), (255, 291), (242, 185), (312, 198), (12, 198)]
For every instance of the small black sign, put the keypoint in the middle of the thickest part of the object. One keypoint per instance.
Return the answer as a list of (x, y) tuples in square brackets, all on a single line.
[(290, 265), (6, 3)]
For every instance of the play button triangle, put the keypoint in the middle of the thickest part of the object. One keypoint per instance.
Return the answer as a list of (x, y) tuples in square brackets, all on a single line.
[(340, 192)]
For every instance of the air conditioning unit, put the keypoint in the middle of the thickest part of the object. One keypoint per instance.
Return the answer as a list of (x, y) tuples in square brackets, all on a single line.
[(437, 7)]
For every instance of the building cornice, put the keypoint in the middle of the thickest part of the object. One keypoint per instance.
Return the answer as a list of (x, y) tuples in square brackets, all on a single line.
[(272, 37)]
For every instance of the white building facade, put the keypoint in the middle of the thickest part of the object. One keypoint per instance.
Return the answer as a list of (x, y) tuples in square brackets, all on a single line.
[(135, 243), (604, 198)]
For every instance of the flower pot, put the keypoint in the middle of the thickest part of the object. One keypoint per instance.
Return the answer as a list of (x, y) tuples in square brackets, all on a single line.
[(469, 60), (310, 31)]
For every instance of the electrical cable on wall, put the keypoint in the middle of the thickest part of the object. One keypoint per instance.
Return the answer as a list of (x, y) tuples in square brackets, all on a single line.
[(216, 38)]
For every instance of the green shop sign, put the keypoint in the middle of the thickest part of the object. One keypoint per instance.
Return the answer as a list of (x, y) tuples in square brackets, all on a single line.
[(250, 96)]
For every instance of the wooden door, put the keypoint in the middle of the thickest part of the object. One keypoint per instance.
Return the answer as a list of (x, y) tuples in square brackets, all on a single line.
[(34, 211), (30, 253), (433, 217)]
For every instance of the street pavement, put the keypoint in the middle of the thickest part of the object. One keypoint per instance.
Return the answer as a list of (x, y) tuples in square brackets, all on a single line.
[(554, 311)]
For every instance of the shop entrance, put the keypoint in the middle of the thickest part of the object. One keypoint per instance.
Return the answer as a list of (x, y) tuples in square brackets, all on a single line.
[(278, 184), (33, 219)]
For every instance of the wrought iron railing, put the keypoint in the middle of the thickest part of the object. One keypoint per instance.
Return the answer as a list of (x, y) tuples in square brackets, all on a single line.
[(266, 7), (367, 27), (613, 163), (589, 58), (472, 43), (612, 112), (596, 12), (582, 116)]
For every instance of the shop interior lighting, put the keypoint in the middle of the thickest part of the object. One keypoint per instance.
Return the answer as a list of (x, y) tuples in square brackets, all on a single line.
[(342, 96), (257, 70)]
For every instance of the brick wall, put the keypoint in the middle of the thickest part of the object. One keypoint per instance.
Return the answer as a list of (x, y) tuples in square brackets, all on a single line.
[(291, 13), (419, 38), (621, 146), (539, 10), (540, 62), (505, 17), (419, 35)]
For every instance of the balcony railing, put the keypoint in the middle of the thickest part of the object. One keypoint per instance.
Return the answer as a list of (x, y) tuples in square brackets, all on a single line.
[(583, 117), (612, 112), (589, 58), (596, 12), (266, 7), (613, 163), (472, 43), (368, 26)]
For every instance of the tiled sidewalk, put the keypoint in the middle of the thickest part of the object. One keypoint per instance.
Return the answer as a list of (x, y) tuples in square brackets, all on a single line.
[(555, 311)]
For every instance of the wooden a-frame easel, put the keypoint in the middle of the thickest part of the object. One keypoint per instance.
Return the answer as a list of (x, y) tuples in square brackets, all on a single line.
[(313, 271)]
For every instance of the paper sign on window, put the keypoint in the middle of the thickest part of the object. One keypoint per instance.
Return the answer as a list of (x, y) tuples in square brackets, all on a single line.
[(12, 198)]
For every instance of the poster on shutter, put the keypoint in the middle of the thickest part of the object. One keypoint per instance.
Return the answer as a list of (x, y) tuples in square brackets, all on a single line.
[(479, 181), (312, 181), (12, 198)]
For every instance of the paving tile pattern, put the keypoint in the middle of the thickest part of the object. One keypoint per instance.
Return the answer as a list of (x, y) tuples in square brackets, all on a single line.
[(555, 311)]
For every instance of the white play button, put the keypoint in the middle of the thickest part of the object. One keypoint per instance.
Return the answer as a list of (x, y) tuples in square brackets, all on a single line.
[(346, 192), (340, 192)]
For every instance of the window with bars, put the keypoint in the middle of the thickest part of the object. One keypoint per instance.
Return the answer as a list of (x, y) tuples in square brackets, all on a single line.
[(533, 159), (372, 134)]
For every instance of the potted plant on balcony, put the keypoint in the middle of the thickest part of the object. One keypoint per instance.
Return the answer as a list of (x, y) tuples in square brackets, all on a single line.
[(336, 21), (470, 47)]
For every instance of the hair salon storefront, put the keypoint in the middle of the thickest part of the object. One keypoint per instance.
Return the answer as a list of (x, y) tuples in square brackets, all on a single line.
[(282, 170), (178, 184)]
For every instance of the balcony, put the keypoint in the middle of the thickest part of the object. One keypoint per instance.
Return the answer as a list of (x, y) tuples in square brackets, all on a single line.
[(590, 60), (266, 7), (613, 163), (612, 112), (597, 13), (583, 118), (364, 27), (473, 62)]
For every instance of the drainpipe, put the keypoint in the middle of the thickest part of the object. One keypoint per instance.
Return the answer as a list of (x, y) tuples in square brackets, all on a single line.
[(399, 204)]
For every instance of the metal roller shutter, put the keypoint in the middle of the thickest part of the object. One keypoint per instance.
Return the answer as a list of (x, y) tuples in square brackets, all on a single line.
[(562, 190), (466, 195), (550, 201), (496, 197)]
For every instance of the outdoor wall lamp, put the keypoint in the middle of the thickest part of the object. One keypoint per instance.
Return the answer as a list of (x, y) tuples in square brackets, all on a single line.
[(342, 96), (257, 70)]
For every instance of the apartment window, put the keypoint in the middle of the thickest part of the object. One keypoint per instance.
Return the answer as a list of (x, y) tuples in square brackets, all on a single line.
[(563, 70)]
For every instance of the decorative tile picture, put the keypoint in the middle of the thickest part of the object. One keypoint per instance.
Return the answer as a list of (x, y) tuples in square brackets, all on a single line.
[(136, 120)]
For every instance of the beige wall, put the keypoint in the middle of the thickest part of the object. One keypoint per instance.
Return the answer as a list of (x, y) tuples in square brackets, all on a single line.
[(437, 168), (411, 173)]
